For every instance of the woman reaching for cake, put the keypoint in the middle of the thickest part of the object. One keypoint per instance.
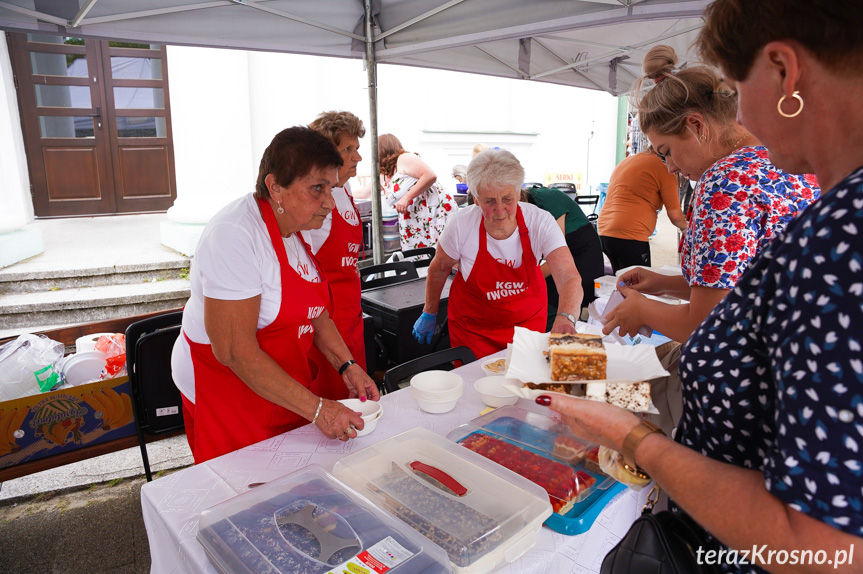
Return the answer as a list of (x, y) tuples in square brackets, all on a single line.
[(498, 245), (767, 454), (741, 200)]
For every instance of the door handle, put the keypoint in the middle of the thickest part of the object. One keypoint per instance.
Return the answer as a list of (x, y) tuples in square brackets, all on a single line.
[(98, 116)]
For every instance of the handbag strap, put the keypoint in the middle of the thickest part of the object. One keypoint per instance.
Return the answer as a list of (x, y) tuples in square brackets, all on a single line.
[(652, 499)]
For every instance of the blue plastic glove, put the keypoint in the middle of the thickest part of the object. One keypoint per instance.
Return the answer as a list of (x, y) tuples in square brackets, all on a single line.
[(424, 327)]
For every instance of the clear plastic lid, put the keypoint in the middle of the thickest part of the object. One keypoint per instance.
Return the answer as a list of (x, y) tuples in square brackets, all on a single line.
[(482, 514), (308, 521), (540, 449)]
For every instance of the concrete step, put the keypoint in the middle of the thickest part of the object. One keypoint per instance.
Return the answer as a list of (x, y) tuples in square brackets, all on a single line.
[(19, 311), (32, 281)]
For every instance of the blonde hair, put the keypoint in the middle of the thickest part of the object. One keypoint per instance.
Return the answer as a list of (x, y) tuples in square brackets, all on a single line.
[(671, 95), (479, 148)]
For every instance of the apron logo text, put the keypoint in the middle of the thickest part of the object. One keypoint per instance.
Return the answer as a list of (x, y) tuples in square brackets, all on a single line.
[(304, 329), (507, 262), (349, 215), (505, 289), (315, 312), (349, 261)]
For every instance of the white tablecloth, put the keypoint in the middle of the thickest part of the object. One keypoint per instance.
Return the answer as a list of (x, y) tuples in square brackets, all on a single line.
[(172, 504)]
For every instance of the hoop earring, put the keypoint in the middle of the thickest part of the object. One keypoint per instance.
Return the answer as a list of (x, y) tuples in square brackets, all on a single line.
[(703, 137), (796, 96), (281, 209)]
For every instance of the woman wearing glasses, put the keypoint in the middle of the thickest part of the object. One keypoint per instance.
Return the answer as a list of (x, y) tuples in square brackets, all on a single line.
[(741, 200)]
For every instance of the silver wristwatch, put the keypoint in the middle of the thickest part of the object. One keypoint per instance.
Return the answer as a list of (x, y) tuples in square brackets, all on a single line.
[(569, 316)]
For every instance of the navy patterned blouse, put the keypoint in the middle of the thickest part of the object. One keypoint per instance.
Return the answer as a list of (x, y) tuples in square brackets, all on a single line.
[(773, 378)]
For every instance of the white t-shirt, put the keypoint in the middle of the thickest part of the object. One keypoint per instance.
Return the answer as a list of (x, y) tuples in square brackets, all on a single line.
[(460, 238), (316, 237), (234, 260)]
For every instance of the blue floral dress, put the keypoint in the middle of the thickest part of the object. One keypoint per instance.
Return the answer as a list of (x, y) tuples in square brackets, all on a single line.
[(773, 378), (740, 203)]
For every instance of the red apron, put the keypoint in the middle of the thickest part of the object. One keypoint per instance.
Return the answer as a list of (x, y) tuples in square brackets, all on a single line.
[(227, 414), (483, 310), (338, 256)]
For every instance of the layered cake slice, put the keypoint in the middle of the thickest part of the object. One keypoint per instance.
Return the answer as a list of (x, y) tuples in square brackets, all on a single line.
[(576, 357), (634, 396)]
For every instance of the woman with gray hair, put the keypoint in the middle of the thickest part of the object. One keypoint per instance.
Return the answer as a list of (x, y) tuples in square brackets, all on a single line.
[(498, 244)]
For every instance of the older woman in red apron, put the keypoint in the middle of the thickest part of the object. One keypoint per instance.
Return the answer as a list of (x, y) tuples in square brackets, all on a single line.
[(498, 244), (336, 245), (259, 303)]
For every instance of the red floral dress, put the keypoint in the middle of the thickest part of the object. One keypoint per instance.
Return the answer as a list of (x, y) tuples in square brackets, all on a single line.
[(740, 203), (426, 215)]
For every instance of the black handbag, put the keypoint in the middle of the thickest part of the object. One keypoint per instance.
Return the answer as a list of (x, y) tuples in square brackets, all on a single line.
[(661, 543)]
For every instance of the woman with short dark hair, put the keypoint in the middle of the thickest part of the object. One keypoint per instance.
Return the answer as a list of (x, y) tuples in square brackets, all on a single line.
[(259, 302)]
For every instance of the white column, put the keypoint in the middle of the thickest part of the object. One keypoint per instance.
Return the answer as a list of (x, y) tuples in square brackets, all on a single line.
[(16, 241), (212, 138)]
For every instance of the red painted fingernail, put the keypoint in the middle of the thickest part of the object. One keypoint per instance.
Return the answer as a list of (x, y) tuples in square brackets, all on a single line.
[(543, 400), (362, 399)]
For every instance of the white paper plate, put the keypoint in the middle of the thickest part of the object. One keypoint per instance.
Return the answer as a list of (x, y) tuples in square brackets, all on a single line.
[(526, 393), (84, 367), (627, 362)]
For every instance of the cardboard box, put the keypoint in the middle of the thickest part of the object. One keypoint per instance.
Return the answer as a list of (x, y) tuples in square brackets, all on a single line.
[(56, 422)]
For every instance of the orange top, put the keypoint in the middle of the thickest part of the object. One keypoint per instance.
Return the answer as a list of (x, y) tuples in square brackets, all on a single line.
[(639, 186)]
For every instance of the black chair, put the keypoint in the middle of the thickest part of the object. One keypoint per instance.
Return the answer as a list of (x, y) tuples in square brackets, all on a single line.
[(156, 401), (404, 271), (441, 360), (591, 200), (420, 252)]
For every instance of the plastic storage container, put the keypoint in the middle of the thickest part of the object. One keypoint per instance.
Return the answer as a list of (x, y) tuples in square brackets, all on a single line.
[(309, 522), (482, 514), (546, 452), (390, 229)]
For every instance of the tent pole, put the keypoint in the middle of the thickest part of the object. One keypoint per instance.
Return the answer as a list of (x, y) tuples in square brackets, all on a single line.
[(371, 69)]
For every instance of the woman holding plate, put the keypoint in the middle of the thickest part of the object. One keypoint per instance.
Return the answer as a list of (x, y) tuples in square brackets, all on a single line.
[(767, 454)]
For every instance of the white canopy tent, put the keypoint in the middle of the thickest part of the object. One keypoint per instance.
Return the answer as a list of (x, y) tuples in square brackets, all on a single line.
[(595, 44)]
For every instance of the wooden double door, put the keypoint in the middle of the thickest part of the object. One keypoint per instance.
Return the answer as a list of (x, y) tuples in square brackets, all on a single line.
[(96, 122)]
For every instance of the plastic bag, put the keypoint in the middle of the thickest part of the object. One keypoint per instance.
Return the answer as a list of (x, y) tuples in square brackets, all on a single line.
[(114, 346), (611, 462), (28, 365)]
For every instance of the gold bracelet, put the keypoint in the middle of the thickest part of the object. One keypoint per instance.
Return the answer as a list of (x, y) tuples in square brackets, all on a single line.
[(634, 438), (318, 411)]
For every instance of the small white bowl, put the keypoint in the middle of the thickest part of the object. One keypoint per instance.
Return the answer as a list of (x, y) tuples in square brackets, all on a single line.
[(437, 383), (492, 392), (370, 411), (494, 366), (437, 407)]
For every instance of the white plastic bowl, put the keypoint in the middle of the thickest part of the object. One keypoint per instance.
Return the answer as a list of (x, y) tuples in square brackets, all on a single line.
[(437, 384), (437, 407), (493, 394), (370, 411)]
